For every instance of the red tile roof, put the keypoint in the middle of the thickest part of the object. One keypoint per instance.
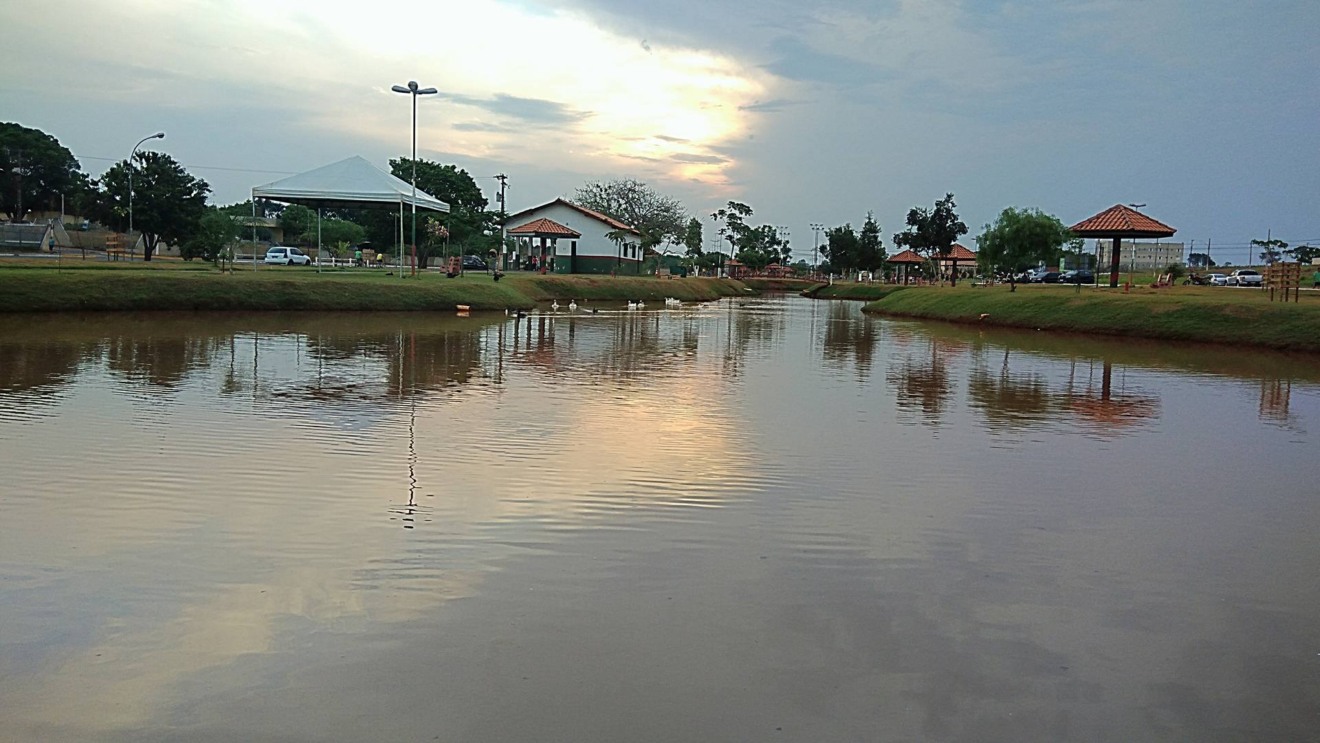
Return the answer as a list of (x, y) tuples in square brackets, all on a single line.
[(1122, 221), (545, 227), (959, 253), (907, 256), (612, 222)]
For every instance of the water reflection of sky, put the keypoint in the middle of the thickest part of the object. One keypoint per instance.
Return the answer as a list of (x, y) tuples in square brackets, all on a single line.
[(210, 512)]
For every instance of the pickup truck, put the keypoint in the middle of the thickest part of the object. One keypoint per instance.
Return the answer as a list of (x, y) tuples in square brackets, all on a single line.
[(1245, 277)]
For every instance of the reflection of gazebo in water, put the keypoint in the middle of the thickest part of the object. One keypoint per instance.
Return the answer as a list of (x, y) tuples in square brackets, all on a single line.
[(1118, 222), (904, 261), (1110, 411), (549, 232)]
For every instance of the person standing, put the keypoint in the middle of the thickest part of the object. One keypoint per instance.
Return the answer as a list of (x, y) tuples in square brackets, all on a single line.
[(1315, 279)]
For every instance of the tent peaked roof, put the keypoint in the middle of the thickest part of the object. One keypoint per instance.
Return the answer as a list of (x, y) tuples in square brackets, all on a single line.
[(907, 256), (545, 227), (350, 183), (1122, 221)]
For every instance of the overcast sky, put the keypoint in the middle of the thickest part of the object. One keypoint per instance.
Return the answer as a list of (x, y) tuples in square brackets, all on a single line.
[(808, 110)]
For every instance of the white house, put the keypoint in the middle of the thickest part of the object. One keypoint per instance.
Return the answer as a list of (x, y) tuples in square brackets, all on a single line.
[(602, 245)]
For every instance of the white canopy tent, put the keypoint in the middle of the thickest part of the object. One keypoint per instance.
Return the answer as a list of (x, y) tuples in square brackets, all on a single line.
[(353, 183)]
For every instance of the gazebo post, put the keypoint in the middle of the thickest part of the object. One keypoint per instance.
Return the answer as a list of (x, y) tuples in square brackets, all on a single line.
[(1114, 262)]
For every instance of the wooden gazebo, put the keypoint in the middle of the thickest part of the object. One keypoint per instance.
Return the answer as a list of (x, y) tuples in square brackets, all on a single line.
[(549, 232), (904, 260), (1118, 222)]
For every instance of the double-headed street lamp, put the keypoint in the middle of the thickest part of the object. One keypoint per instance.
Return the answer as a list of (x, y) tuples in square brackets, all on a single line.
[(157, 135), (414, 91)]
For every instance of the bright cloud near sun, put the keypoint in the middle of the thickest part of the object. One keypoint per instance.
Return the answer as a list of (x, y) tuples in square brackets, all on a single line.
[(518, 84)]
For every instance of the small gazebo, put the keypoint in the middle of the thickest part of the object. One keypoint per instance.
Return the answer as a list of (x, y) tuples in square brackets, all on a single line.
[(905, 260), (1118, 222), (549, 232), (957, 254)]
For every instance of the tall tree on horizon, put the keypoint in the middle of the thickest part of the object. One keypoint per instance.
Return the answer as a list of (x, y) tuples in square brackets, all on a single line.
[(660, 219), (168, 202), (933, 232)]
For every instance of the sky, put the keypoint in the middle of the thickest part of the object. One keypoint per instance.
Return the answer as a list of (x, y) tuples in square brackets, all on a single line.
[(809, 111)]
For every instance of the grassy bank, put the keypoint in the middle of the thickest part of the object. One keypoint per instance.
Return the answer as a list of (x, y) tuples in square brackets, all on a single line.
[(850, 290), (45, 290), (1205, 314), (778, 285)]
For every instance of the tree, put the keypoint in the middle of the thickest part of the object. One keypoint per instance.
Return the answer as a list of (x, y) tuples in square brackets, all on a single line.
[(168, 203), (298, 223), (339, 234), (1271, 249), (659, 218), (214, 233), (468, 227), (35, 169), (932, 233), (870, 249), (1200, 260), (693, 238), (1303, 253), (842, 248), (1020, 238)]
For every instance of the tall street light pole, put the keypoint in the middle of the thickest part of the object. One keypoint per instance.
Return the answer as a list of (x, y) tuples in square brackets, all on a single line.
[(157, 135), (816, 228), (414, 91)]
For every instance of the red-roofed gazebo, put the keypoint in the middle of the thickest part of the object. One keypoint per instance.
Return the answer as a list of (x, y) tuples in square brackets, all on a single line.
[(957, 254), (1118, 222), (545, 229), (904, 260)]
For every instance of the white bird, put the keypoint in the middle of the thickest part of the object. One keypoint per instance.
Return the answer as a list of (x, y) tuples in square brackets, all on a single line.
[(632, 305), (640, 304), (572, 304), (554, 305)]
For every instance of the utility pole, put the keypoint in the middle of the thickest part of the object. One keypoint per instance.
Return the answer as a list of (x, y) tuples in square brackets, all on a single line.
[(816, 228), (503, 179)]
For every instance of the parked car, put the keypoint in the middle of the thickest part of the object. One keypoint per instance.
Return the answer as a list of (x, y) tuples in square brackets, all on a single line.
[(1217, 279), (1049, 277), (474, 263), (1081, 276), (1246, 277), (281, 256)]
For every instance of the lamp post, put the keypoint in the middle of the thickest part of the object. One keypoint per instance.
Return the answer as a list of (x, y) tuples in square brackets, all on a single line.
[(816, 229), (414, 91), (157, 135)]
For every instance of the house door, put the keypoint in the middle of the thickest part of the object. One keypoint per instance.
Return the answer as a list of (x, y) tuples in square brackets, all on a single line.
[(572, 257)]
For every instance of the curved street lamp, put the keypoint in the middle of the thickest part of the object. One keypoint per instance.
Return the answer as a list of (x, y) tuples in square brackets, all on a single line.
[(157, 135), (414, 91)]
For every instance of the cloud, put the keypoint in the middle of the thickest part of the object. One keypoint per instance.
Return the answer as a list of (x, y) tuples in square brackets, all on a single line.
[(797, 61), (770, 106), (527, 110), (688, 157)]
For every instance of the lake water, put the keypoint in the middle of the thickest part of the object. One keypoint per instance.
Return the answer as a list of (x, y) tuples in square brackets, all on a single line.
[(760, 519)]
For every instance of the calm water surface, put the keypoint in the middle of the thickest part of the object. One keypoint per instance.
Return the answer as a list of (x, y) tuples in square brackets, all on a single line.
[(762, 519)]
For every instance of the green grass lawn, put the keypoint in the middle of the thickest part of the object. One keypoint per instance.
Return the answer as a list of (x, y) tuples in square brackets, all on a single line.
[(1209, 314), (177, 285)]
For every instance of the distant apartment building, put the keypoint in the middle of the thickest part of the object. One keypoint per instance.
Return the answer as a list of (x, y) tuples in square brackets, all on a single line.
[(1136, 255)]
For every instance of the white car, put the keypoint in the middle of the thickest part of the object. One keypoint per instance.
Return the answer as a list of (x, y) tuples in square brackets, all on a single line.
[(280, 256), (1217, 279), (1246, 277)]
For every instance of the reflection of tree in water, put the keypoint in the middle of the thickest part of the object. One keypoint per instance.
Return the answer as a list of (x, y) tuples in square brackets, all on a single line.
[(748, 326), (159, 360), (850, 338), (40, 365), (921, 381), (1009, 400), (601, 347)]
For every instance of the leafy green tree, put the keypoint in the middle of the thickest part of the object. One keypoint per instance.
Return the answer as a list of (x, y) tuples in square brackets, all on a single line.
[(340, 234), (467, 228), (1303, 253), (35, 169), (1271, 249), (1200, 260), (932, 233), (168, 202), (843, 248), (870, 248), (215, 232), (660, 219), (1020, 238), (299, 224), (693, 238)]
